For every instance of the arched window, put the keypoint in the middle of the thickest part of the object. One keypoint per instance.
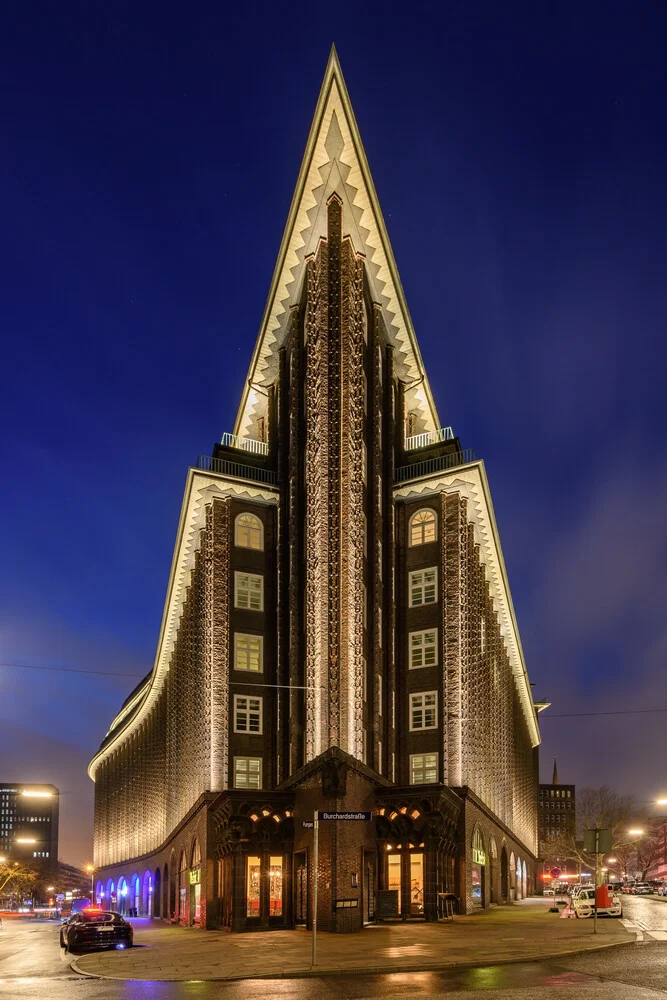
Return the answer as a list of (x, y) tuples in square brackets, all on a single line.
[(248, 532), (478, 851), (423, 527), (493, 848), (196, 853)]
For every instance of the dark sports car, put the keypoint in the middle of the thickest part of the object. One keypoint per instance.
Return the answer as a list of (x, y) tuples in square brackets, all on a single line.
[(96, 928)]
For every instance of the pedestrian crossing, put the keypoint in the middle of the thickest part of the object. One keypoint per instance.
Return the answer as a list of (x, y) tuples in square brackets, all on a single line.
[(643, 933)]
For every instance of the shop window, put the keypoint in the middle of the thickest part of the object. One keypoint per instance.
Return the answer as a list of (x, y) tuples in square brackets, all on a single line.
[(424, 710), (249, 591), (423, 587), (252, 888), (248, 532), (423, 768), (247, 714), (416, 884), (248, 652), (423, 648), (276, 887), (394, 875), (423, 527)]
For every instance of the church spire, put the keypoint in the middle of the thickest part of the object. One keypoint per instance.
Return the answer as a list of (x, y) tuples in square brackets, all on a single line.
[(554, 780)]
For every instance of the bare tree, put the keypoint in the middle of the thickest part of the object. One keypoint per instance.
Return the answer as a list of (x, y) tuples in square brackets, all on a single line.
[(14, 876)]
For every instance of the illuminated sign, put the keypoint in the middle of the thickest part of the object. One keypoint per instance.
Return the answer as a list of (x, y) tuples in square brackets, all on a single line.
[(195, 876), (478, 857)]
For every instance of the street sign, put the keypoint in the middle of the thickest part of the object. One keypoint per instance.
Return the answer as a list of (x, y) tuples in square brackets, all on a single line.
[(358, 816), (555, 872), (597, 841), (307, 824)]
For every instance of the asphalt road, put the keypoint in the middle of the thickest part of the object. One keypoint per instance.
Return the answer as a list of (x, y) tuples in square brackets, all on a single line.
[(32, 967)]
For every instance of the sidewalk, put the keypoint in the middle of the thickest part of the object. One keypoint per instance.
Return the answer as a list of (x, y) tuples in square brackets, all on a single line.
[(523, 931)]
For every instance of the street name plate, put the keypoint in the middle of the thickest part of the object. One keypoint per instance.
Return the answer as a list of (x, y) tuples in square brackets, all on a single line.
[(358, 816)]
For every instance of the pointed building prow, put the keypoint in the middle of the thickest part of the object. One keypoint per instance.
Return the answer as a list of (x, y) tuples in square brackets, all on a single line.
[(554, 780)]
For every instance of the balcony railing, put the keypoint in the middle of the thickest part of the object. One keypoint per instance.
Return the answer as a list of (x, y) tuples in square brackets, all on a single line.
[(236, 470), (432, 465), (245, 444), (429, 437)]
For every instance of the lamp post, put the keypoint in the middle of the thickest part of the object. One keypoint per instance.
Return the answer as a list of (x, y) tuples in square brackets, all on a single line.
[(91, 870)]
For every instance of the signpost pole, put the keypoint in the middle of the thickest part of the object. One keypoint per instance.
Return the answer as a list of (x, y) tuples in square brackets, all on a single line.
[(597, 880), (316, 845)]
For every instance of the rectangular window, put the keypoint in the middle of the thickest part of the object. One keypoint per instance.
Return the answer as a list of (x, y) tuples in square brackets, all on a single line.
[(379, 694), (247, 772), (364, 462), (380, 627), (248, 652), (423, 768), (379, 491), (393, 709), (423, 648), (379, 757), (247, 714), (253, 887), (380, 559), (423, 587), (276, 887), (249, 591), (424, 710), (393, 767)]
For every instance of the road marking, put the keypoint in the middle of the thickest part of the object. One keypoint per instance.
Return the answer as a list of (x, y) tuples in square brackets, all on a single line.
[(630, 926)]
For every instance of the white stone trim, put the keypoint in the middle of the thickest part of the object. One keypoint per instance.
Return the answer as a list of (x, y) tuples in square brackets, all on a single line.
[(470, 481), (200, 489)]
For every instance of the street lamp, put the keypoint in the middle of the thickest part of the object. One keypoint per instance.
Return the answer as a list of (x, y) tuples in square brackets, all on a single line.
[(91, 870), (661, 802), (635, 833)]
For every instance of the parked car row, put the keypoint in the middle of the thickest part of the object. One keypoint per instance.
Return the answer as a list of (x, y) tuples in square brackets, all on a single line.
[(644, 888)]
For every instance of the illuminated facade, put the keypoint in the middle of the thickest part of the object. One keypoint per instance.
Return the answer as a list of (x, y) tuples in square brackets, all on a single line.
[(29, 825), (338, 631)]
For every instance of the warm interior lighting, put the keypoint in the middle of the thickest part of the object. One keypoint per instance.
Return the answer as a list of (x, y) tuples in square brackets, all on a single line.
[(254, 817), (277, 818), (415, 814), (266, 812), (388, 847), (37, 795)]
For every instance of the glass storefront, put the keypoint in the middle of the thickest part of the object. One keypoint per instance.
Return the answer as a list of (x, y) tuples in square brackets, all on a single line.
[(276, 887), (416, 884), (477, 885), (394, 875), (253, 887)]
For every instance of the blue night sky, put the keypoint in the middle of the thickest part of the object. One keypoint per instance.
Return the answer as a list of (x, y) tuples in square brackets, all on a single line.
[(149, 157)]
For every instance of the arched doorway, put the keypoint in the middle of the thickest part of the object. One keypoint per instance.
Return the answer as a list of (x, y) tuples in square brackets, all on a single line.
[(195, 883), (99, 893), (166, 912), (183, 906), (122, 896), (157, 894), (524, 880), (519, 894), (110, 895), (492, 870), (135, 895), (173, 915), (147, 895), (504, 875), (477, 869)]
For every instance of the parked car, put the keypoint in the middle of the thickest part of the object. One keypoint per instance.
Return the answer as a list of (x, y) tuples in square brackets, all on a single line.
[(642, 889), (96, 928), (663, 890), (548, 891), (627, 887), (583, 905)]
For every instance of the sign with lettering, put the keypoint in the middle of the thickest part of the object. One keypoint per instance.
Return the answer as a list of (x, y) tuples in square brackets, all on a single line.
[(307, 824), (478, 857), (364, 817), (387, 903), (195, 876)]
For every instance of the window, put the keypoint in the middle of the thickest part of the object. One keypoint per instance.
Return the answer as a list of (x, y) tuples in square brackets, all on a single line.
[(393, 767), (364, 461), (247, 772), (423, 768), (379, 757), (248, 532), (379, 493), (423, 587), (249, 591), (247, 714), (380, 694), (248, 652), (423, 648), (379, 626), (379, 559), (423, 527), (424, 710)]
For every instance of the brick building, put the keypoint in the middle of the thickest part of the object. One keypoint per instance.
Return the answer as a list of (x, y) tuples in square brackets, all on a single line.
[(338, 632)]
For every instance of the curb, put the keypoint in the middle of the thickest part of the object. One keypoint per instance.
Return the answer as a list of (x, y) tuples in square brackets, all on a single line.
[(335, 970)]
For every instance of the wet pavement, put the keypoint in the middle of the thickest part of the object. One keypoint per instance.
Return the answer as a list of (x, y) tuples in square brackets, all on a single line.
[(32, 966)]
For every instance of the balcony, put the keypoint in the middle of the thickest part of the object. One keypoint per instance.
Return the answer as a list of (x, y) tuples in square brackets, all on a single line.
[(429, 437), (236, 470), (432, 465), (245, 444)]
